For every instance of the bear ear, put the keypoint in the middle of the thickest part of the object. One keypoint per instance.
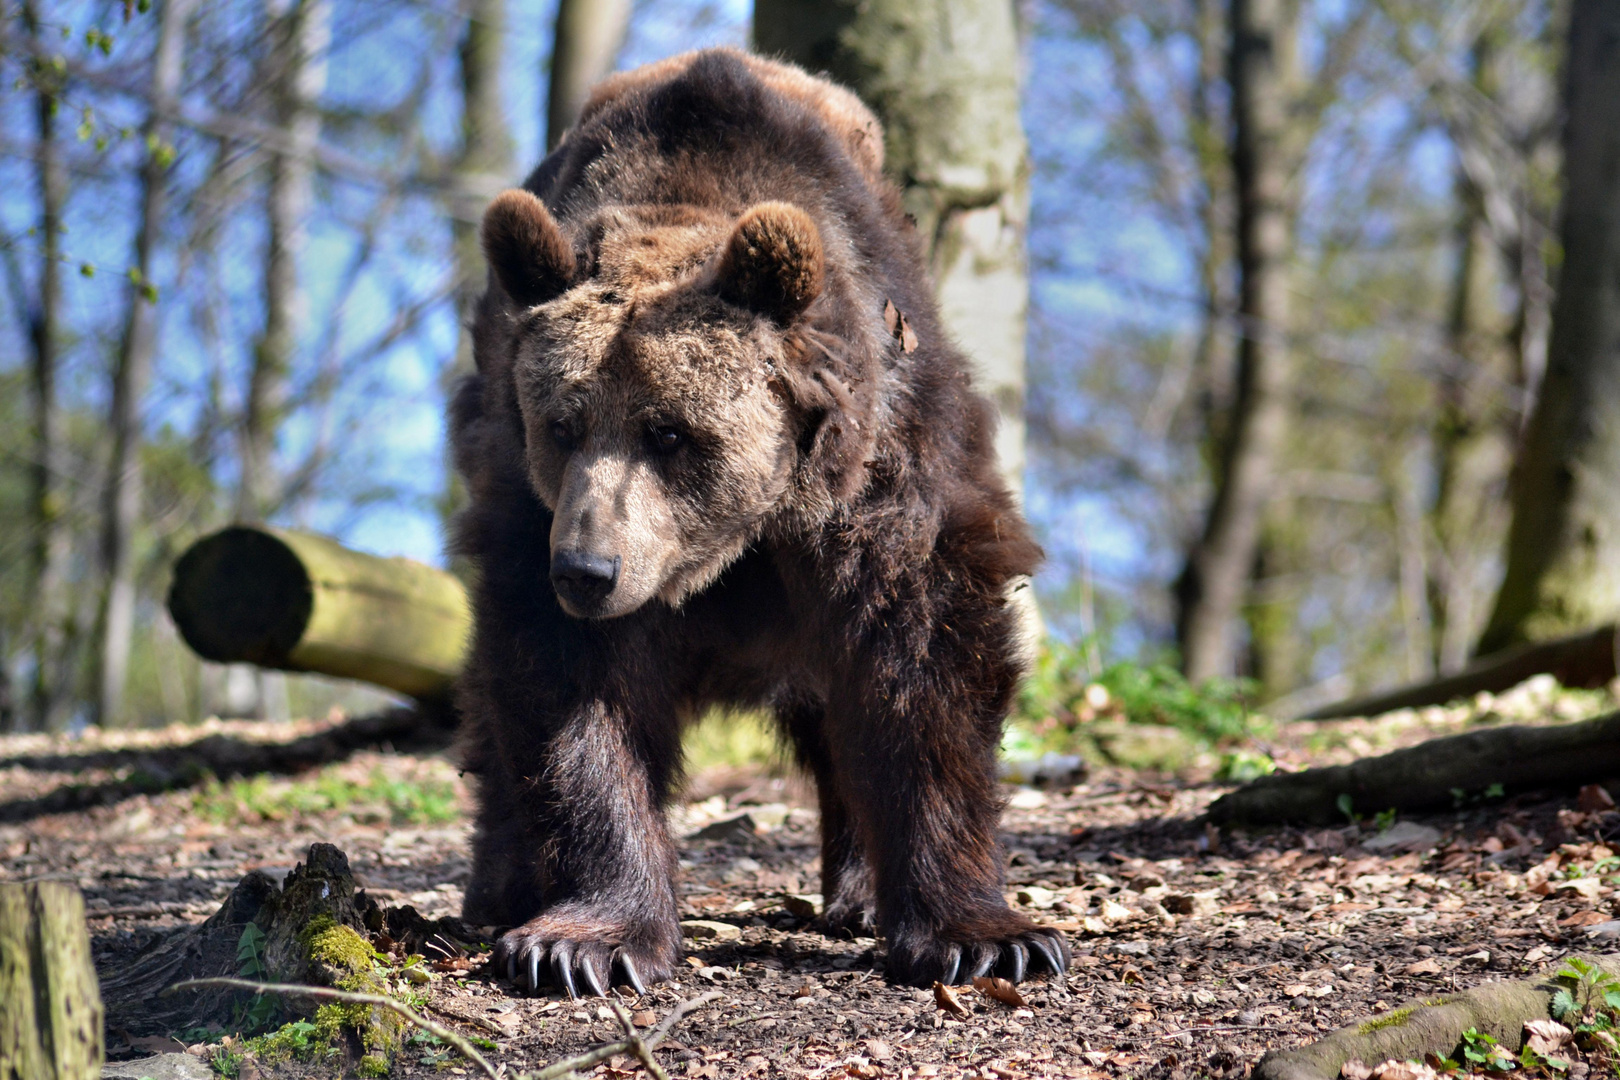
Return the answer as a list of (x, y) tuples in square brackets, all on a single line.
[(773, 262), (531, 258)]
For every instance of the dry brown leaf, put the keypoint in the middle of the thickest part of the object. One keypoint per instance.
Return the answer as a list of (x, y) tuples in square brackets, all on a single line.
[(1307, 990), (947, 1000), (1354, 1070), (1404, 1070), (1001, 990), (1546, 1036), (644, 1018), (1594, 799), (895, 320), (1583, 918), (1430, 966)]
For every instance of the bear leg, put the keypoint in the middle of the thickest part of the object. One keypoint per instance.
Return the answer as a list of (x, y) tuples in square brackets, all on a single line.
[(918, 768), (849, 907), (585, 836)]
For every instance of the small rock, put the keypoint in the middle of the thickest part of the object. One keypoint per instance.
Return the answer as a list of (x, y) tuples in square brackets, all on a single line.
[(878, 1050), (1403, 836), (1248, 1018), (1610, 929), (708, 930), (740, 827), (1036, 897), (803, 905), (1132, 948), (1026, 798), (161, 1067)]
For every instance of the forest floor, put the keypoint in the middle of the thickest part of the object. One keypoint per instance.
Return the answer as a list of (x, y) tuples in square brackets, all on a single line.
[(1195, 950)]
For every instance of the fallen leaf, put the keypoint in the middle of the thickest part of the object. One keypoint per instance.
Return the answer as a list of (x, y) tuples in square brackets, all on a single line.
[(895, 320), (1307, 990), (644, 1018), (1546, 1036), (1112, 912), (1587, 887), (1354, 1070), (1001, 990), (947, 1000), (1430, 966), (1594, 799), (1584, 918)]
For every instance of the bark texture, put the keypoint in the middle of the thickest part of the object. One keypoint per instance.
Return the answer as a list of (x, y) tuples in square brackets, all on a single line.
[(1264, 77), (1563, 551), (48, 495), (1432, 1025), (121, 501), (589, 33), (942, 76), (50, 1003), (1429, 775)]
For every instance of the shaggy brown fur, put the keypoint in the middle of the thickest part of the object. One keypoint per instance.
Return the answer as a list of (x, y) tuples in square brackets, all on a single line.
[(705, 471)]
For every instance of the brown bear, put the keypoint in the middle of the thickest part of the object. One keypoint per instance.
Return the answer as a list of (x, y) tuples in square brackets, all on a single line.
[(720, 451)]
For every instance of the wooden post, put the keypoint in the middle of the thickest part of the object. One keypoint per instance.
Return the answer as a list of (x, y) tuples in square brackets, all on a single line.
[(50, 1002), (299, 602)]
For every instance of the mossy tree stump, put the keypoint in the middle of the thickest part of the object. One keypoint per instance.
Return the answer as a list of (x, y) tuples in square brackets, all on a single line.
[(50, 1003)]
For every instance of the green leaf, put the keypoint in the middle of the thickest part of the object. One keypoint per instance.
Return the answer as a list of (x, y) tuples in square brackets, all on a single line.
[(1562, 1004), (1346, 805)]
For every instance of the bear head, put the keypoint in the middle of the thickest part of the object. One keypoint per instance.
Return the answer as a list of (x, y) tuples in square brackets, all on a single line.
[(659, 365)]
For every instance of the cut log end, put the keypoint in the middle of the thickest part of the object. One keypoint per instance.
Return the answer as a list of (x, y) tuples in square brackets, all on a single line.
[(241, 596)]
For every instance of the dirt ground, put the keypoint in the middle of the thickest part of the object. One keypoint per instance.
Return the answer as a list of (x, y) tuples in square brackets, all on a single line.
[(1195, 950)]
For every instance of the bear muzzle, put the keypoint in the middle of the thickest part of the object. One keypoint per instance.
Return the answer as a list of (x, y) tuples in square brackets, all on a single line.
[(584, 580)]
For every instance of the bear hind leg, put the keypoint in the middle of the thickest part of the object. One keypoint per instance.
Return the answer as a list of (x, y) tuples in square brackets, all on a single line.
[(850, 904)]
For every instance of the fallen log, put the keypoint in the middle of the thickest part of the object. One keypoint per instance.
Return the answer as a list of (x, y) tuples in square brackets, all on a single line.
[(1428, 776), (1432, 1025), (50, 1004), (299, 602), (1584, 661)]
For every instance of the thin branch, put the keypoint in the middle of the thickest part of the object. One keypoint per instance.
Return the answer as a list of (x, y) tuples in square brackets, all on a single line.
[(432, 1027)]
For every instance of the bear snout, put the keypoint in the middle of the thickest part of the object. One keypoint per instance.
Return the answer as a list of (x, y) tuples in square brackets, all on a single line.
[(584, 580)]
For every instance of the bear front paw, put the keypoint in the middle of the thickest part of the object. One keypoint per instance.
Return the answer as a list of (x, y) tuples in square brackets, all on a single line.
[(923, 959), (574, 954)]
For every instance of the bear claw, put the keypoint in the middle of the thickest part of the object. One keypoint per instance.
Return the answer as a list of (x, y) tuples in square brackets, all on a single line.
[(1031, 953), (575, 967)]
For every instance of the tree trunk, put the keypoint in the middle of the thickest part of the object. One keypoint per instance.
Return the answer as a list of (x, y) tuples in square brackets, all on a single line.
[(300, 33), (121, 504), (1264, 71), (942, 76), (481, 170), (50, 1003), (1563, 551), (589, 33), (297, 602), (48, 601)]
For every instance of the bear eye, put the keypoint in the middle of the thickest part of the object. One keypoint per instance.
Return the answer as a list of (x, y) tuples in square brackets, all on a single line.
[(666, 439), (561, 435)]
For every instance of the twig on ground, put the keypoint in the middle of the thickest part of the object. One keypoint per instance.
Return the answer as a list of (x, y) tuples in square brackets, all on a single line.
[(461, 1044), (641, 1046)]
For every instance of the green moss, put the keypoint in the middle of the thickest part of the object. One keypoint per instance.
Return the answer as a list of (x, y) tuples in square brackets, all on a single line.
[(1393, 1018), (373, 1065), (353, 967), (300, 1039)]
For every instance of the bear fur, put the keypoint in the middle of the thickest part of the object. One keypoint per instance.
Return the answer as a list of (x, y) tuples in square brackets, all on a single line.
[(719, 451)]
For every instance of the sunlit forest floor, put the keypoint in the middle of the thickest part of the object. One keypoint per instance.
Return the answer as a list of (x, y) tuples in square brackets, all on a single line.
[(1195, 950)]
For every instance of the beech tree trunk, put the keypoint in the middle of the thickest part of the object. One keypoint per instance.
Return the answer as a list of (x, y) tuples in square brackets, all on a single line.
[(301, 33), (589, 33), (1563, 550), (1264, 73), (48, 601), (121, 501), (50, 1003), (942, 76)]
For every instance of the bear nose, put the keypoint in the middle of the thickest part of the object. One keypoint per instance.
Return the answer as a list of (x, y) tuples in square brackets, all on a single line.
[(583, 579)]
